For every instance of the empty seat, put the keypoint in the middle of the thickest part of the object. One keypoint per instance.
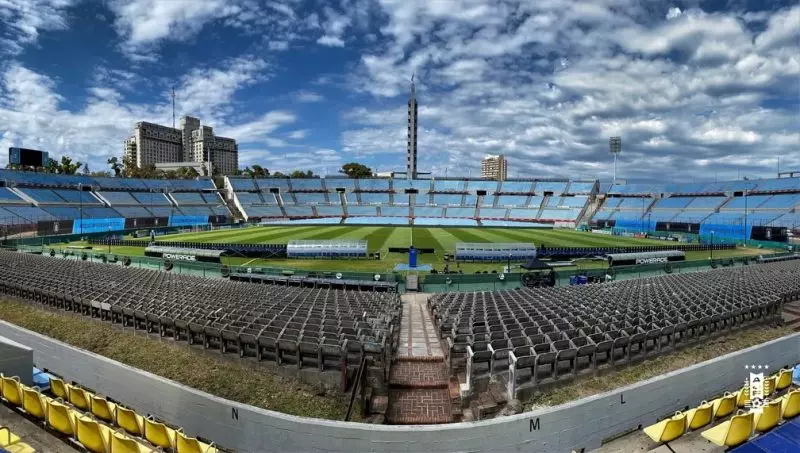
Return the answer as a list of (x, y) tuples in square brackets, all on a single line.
[(120, 443), (699, 416), (784, 379), (61, 418), (790, 404), (724, 405), (33, 402), (769, 416), (94, 436), (185, 444), (78, 397), (11, 390), (159, 434), (668, 429), (58, 388), (731, 433), (11, 443), (129, 420), (102, 408)]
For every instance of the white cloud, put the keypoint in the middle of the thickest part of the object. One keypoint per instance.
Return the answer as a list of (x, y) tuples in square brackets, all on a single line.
[(673, 12), (24, 20), (31, 113), (330, 41), (308, 96), (298, 134)]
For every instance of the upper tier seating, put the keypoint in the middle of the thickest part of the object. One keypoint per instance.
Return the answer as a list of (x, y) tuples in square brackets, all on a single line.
[(374, 184), (516, 187), (306, 184), (448, 186), (7, 196), (348, 184), (557, 188)]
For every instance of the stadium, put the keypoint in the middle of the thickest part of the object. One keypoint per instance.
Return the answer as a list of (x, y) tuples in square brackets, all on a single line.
[(460, 304), (188, 303)]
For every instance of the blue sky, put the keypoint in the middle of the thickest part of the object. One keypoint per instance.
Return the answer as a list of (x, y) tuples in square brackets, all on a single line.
[(697, 89)]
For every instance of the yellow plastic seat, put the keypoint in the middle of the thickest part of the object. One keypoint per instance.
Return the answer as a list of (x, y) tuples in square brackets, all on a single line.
[(699, 416), (129, 420), (742, 395), (11, 442), (78, 397), (784, 379), (7, 437), (159, 434), (61, 418), (33, 403), (732, 432), (666, 430), (187, 444), (790, 404), (724, 405), (11, 390), (769, 385), (121, 443), (59, 388), (768, 416), (94, 436), (102, 408)]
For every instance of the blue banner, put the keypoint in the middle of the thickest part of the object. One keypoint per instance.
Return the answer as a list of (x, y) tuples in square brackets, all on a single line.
[(187, 220), (81, 226)]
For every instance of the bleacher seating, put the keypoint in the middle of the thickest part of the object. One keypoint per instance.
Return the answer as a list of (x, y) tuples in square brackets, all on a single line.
[(310, 198), (517, 186), (448, 186), (731, 427), (374, 198), (460, 212), (330, 210), (321, 328), (494, 213), (428, 212), (532, 337), (362, 210), (557, 188), (91, 421), (447, 200), (512, 200), (312, 184), (374, 184)]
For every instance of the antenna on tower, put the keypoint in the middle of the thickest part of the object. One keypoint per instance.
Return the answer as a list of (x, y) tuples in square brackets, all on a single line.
[(173, 106), (615, 147)]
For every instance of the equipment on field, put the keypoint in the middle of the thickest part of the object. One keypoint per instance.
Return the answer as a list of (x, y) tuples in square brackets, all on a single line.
[(326, 249), (478, 251)]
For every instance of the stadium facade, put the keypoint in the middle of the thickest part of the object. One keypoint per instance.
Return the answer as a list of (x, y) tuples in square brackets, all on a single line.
[(153, 144), (494, 167)]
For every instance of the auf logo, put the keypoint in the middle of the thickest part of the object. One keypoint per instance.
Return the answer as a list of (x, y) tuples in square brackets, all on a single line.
[(757, 387)]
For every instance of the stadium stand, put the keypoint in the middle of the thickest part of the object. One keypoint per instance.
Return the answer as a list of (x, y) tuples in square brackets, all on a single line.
[(318, 328), (459, 197), (91, 421), (733, 210), (731, 427), (61, 203), (532, 338)]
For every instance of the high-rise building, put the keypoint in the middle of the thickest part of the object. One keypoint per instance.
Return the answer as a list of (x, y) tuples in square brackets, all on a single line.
[(192, 143), (411, 164), (494, 167)]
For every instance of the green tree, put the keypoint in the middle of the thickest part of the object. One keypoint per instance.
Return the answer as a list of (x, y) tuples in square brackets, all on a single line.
[(52, 166), (259, 172), (104, 174), (246, 171), (356, 170), (278, 174), (302, 174), (67, 167), (116, 166)]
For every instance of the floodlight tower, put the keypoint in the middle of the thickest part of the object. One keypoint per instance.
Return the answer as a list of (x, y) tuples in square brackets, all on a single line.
[(615, 147)]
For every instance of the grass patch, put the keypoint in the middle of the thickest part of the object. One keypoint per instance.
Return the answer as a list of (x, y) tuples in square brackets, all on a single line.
[(227, 379), (657, 366)]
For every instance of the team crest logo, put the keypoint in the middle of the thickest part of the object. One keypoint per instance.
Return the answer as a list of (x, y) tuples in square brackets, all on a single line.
[(756, 387)]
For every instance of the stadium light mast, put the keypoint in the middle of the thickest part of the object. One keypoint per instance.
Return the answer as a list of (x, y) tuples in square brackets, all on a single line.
[(615, 147)]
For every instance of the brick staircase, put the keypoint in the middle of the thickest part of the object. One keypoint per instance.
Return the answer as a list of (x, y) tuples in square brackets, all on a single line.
[(419, 386), (418, 392)]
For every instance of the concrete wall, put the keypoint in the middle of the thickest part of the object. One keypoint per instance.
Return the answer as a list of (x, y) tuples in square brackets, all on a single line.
[(16, 360), (575, 425)]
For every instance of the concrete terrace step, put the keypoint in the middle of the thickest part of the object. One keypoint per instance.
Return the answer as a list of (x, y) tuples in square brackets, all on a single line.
[(419, 374), (419, 406)]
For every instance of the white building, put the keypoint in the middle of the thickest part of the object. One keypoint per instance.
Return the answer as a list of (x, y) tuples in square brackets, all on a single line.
[(494, 167), (192, 143)]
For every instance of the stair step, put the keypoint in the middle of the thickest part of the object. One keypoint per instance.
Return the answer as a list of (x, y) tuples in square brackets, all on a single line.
[(419, 407), (422, 375)]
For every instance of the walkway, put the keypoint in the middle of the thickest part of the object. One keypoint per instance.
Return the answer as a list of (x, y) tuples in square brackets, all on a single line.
[(418, 383)]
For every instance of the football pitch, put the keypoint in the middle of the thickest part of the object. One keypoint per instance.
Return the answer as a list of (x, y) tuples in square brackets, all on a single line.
[(380, 238)]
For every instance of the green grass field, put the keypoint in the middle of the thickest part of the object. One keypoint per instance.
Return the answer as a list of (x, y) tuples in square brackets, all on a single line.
[(380, 238)]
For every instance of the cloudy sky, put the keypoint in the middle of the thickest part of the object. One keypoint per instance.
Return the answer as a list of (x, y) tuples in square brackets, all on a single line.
[(698, 90)]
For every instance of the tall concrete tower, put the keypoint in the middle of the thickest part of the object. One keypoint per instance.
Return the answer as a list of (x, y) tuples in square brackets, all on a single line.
[(411, 164)]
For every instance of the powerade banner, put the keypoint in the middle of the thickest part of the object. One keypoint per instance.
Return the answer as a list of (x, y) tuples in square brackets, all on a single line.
[(81, 226), (185, 220)]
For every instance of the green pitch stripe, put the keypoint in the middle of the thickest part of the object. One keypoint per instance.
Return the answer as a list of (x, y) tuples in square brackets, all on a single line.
[(272, 237), (378, 237), (206, 236)]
